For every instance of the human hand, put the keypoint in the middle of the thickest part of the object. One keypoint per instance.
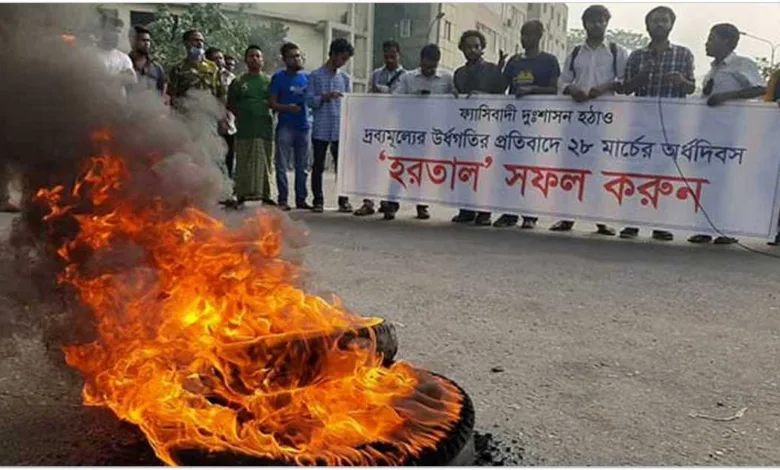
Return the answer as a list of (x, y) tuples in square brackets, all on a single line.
[(676, 78), (523, 91), (293, 108), (578, 94), (335, 94)]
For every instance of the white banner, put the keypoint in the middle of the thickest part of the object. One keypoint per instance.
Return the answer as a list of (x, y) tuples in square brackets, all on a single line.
[(608, 161)]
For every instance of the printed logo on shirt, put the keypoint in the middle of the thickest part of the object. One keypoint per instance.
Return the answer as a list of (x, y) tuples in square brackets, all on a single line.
[(526, 77), (296, 90)]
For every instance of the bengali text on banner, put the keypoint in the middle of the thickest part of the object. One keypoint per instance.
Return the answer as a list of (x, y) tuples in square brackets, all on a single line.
[(610, 160)]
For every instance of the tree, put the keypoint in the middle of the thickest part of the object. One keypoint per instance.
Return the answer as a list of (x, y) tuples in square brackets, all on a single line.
[(631, 40), (765, 68), (226, 29)]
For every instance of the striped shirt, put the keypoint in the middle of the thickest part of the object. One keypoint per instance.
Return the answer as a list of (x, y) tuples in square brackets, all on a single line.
[(674, 58), (326, 115)]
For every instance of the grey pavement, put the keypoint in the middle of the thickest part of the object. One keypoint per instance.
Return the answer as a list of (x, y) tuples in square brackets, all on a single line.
[(611, 352)]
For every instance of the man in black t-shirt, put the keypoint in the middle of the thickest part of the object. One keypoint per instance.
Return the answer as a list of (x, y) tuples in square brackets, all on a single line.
[(474, 77), (532, 73)]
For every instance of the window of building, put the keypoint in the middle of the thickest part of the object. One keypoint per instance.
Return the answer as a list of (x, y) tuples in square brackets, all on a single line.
[(447, 30), (405, 28)]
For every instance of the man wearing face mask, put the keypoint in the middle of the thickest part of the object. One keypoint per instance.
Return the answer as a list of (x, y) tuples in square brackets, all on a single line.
[(195, 72), (661, 69)]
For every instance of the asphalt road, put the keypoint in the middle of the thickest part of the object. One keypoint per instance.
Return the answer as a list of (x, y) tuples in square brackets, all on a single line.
[(586, 350)]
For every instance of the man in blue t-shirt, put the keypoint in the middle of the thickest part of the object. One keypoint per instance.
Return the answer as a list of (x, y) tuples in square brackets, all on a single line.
[(532, 73), (288, 98)]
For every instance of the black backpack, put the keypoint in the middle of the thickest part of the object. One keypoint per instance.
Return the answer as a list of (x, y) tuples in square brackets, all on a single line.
[(612, 49)]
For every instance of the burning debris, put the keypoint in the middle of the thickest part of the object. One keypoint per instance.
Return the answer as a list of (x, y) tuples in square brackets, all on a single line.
[(201, 334)]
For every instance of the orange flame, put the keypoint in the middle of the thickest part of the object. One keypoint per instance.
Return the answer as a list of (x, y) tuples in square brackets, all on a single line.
[(205, 342)]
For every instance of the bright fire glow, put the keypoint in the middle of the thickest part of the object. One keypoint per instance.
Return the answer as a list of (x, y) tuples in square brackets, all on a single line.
[(205, 342)]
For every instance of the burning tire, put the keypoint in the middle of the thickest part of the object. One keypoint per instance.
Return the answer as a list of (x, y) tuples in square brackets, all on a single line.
[(455, 448), (385, 336)]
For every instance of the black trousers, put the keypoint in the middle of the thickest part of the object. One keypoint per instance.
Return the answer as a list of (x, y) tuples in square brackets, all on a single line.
[(320, 151), (230, 157)]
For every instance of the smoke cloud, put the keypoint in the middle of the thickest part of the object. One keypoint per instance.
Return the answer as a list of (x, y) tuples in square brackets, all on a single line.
[(55, 95)]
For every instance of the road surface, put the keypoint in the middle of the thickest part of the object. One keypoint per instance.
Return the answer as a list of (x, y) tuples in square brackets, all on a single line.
[(586, 350)]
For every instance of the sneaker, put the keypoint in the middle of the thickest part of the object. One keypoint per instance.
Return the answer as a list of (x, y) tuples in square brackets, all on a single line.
[(366, 209), (318, 208)]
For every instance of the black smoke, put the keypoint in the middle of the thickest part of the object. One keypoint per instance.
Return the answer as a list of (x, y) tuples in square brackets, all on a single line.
[(54, 95)]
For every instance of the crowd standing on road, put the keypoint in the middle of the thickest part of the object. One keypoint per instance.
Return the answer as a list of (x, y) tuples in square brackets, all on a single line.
[(307, 106)]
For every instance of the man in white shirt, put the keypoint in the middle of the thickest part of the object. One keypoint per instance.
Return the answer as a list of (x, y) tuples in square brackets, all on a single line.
[(384, 80), (118, 64), (731, 77), (592, 69), (426, 80)]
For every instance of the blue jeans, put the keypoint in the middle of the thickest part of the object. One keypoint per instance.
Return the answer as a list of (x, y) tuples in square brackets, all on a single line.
[(291, 144)]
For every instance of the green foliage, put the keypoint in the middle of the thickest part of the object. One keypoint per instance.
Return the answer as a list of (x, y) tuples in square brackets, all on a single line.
[(227, 29), (631, 40), (765, 68)]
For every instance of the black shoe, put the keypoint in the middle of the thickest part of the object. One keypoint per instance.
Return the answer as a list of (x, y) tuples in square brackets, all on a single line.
[(389, 215), (366, 209), (318, 208), (722, 240), (464, 217), (562, 226), (602, 229), (663, 235), (422, 213), (505, 220), (267, 201), (284, 207), (303, 205), (629, 232), (529, 223), (483, 219), (698, 239)]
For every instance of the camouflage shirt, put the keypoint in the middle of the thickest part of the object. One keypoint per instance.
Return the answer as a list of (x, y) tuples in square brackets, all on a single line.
[(202, 75)]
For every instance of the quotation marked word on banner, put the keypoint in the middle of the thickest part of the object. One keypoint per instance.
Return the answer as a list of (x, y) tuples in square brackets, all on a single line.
[(608, 160)]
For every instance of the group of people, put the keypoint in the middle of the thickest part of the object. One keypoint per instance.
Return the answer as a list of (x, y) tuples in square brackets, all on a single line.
[(307, 106), (592, 69)]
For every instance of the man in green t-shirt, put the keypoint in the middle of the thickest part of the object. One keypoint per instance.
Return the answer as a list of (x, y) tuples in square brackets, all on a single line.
[(248, 101)]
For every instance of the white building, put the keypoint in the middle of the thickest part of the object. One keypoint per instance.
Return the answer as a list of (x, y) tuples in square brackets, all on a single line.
[(311, 25)]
